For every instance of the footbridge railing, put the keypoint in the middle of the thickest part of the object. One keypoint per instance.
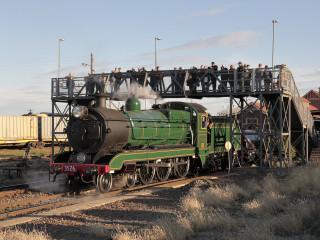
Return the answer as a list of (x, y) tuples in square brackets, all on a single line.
[(288, 84)]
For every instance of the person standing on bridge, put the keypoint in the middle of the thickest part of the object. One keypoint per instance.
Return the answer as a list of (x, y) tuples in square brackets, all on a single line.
[(112, 80), (259, 74), (205, 80), (213, 77), (133, 77), (192, 82), (231, 77), (246, 78), (174, 80), (70, 84), (267, 78), (181, 77), (224, 78), (117, 82), (240, 79), (159, 79)]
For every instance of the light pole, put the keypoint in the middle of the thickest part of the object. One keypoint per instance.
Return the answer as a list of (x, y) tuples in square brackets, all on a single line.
[(273, 21), (86, 65), (155, 52), (60, 40)]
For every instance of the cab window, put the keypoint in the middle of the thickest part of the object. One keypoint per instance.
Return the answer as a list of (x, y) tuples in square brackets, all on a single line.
[(204, 122)]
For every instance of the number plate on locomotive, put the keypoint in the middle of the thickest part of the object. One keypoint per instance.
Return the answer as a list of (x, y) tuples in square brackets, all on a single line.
[(69, 168)]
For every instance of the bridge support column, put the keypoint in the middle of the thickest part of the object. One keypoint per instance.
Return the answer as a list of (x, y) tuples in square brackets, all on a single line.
[(305, 145), (266, 142), (252, 151)]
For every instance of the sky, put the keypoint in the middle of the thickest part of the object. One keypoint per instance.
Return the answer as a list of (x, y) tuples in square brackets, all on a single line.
[(121, 34)]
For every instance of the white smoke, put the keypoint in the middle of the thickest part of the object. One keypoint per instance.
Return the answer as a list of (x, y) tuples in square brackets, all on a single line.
[(136, 91), (40, 182)]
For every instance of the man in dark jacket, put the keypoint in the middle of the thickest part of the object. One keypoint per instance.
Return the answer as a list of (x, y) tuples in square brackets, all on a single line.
[(118, 78), (231, 77), (213, 78), (224, 78), (240, 79), (259, 73), (159, 79), (133, 77), (267, 78), (192, 81), (180, 77)]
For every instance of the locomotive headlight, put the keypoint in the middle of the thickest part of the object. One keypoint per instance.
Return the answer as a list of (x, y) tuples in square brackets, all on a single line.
[(79, 111), (81, 157)]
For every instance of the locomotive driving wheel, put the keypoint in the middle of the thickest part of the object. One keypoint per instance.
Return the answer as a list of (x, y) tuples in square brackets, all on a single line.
[(131, 179), (146, 174), (181, 167), (104, 182), (163, 173)]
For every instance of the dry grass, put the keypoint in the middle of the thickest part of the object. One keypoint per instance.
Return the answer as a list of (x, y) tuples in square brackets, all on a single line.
[(182, 227), (304, 180), (265, 204), (297, 218), (257, 230), (97, 230), (270, 209), (191, 203), (19, 234), (216, 196), (253, 187), (9, 153), (271, 184)]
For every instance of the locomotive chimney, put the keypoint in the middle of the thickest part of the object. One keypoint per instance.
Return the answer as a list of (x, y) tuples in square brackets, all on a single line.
[(101, 99)]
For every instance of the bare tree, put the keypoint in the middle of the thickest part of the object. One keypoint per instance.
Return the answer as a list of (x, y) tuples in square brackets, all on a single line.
[(226, 111)]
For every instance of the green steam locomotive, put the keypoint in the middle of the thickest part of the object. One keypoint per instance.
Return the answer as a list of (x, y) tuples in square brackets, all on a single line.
[(131, 144)]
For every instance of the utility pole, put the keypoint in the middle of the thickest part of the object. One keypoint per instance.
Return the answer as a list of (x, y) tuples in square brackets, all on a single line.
[(273, 21), (92, 70)]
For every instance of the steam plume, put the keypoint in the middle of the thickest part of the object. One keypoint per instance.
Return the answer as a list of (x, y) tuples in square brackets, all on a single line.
[(137, 91)]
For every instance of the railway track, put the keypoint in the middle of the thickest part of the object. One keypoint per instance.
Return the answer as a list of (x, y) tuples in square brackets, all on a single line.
[(55, 201), (35, 201), (24, 186), (31, 205)]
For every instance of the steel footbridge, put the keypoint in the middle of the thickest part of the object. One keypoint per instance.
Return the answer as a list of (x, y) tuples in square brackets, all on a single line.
[(284, 126)]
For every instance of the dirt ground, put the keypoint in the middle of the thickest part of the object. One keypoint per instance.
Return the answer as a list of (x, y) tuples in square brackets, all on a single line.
[(127, 215)]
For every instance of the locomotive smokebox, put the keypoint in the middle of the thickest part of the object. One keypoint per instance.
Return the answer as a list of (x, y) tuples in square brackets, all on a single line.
[(101, 99), (102, 129)]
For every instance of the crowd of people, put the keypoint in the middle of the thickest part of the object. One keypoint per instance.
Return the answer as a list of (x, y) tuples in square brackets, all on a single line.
[(235, 79), (240, 79)]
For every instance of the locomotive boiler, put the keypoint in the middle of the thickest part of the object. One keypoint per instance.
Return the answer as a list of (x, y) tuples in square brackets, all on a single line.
[(132, 144)]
